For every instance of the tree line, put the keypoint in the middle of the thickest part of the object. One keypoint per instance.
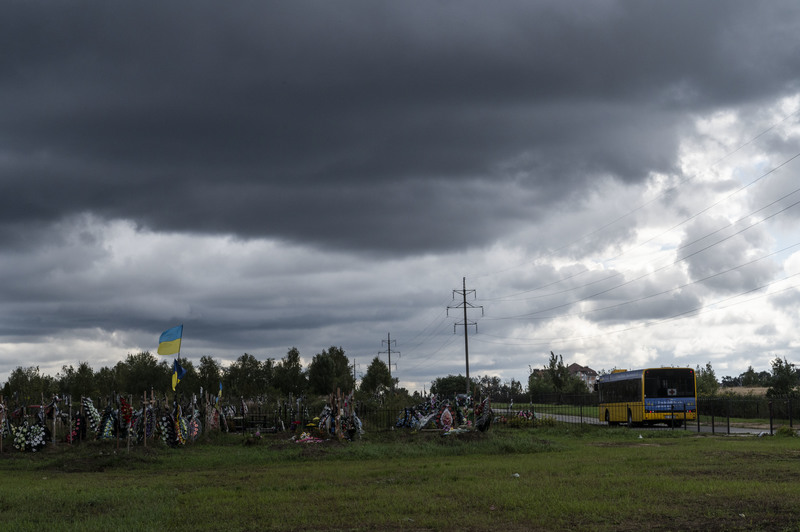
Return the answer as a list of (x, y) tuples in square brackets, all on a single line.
[(328, 370), (782, 381), (554, 377), (247, 377)]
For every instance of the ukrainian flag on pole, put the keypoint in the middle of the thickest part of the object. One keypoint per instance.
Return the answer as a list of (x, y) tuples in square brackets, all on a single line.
[(177, 373), (170, 341)]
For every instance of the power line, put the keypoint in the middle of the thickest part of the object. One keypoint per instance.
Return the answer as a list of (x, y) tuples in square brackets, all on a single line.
[(702, 309), (662, 268), (683, 222), (433, 328), (662, 194)]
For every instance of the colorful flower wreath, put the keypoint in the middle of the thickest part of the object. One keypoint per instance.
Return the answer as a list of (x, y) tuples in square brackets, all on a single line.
[(195, 427), (107, 425), (181, 430)]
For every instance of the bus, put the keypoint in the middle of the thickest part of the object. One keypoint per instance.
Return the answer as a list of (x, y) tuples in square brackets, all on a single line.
[(648, 396)]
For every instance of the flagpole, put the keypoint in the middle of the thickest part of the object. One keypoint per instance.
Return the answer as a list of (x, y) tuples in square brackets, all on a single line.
[(180, 345), (175, 398)]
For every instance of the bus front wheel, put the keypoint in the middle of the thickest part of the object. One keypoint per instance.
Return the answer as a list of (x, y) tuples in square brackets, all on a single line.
[(608, 419), (630, 419)]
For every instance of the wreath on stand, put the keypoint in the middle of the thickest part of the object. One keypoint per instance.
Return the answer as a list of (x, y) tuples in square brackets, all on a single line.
[(181, 428), (77, 429), (195, 426), (166, 427), (125, 415), (5, 428), (29, 437), (108, 425), (92, 415)]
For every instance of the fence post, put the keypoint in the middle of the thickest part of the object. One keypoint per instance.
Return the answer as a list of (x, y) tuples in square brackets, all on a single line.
[(697, 413), (685, 420), (770, 418), (789, 402), (729, 416)]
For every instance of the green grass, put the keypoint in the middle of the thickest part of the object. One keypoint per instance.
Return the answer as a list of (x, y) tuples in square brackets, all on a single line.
[(548, 478)]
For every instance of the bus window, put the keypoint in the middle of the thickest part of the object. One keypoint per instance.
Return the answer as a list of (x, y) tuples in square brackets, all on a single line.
[(661, 384)]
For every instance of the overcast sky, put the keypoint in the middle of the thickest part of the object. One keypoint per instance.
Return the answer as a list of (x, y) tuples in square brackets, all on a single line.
[(618, 182)]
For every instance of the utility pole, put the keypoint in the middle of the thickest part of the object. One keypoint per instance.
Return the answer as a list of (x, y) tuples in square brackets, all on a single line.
[(463, 293), (389, 351)]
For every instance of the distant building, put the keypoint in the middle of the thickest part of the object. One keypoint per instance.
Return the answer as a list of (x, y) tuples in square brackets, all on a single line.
[(586, 374)]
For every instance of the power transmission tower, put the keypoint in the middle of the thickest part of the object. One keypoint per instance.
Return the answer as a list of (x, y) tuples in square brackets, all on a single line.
[(389, 351), (464, 305)]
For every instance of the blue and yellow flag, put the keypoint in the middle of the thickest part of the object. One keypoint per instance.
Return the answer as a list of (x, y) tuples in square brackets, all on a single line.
[(170, 341), (177, 373)]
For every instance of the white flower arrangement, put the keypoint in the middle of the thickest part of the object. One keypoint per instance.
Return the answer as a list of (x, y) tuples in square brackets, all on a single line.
[(29, 437), (92, 415), (4, 426), (36, 438), (20, 435), (164, 426)]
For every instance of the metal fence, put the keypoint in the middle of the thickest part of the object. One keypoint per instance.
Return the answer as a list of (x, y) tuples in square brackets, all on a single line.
[(721, 413), (715, 414), (290, 419)]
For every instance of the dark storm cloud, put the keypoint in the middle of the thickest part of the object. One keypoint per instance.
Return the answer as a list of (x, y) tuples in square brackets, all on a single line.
[(396, 127), (651, 304)]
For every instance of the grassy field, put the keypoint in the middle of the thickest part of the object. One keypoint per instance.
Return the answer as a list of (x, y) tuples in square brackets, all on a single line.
[(547, 478)]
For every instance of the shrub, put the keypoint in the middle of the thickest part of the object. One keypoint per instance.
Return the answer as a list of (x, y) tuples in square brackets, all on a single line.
[(517, 422), (785, 431), (545, 422)]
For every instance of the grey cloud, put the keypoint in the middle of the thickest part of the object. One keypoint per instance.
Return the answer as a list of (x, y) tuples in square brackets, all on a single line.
[(400, 141), (727, 262), (261, 120)]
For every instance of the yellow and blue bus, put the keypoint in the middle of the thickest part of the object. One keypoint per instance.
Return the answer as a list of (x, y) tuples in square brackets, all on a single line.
[(648, 396)]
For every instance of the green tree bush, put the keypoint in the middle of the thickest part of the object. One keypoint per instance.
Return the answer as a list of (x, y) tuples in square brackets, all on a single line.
[(784, 379), (707, 384), (376, 378), (329, 371)]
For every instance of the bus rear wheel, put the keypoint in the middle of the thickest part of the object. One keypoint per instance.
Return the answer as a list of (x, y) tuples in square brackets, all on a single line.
[(630, 419)]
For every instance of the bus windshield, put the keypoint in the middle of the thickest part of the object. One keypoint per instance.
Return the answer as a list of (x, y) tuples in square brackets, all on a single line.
[(668, 382)]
